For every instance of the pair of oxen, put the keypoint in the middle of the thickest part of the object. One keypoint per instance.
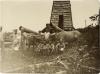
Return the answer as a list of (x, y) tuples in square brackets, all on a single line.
[(63, 36)]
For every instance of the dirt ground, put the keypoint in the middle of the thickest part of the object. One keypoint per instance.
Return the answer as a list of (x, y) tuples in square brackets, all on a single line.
[(68, 62), (15, 61)]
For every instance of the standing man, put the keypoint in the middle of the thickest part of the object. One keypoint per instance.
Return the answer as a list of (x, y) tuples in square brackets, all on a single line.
[(1, 44)]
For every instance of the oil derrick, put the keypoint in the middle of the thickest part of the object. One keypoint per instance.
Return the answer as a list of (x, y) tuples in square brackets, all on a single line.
[(61, 15)]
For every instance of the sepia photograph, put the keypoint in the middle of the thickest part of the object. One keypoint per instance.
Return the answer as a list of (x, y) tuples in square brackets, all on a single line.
[(49, 37)]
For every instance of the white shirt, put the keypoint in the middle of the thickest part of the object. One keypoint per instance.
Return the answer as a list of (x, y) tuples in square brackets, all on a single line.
[(47, 35)]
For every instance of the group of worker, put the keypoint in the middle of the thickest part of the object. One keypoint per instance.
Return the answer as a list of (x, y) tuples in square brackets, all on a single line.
[(42, 42), (50, 47)]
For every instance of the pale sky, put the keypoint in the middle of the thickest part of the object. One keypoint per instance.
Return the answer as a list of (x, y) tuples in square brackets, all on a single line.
[(34, 14)]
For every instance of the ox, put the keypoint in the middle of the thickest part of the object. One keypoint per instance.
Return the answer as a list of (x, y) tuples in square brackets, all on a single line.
[(68, 36)]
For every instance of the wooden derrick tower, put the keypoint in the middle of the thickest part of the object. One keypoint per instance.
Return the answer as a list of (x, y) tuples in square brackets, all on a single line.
[(61, 15)]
